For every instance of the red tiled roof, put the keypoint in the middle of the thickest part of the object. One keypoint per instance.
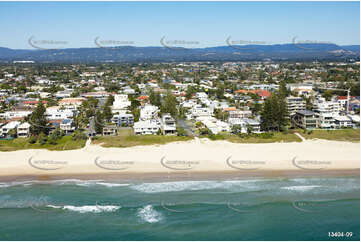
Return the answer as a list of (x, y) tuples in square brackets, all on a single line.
[(142, 97), (263, 93), (34, 102)]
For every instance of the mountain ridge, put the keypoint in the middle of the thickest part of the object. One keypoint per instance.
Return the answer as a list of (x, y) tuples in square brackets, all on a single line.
[(277, 52)]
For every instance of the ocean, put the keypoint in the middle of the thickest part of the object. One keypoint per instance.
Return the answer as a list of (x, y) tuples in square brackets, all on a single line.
[(235, 209)]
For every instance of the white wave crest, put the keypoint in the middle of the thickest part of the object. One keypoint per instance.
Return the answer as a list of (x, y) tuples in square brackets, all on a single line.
[(300, 188), (242, 185), (88, 208), (149, 215)]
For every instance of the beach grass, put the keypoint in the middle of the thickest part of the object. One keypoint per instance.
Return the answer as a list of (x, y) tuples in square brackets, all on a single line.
[(351, 135), (65, 143), (126, 138), (258, 138)]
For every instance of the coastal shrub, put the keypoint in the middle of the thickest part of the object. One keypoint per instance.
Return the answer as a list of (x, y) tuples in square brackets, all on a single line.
[(216, 137), (42, 139), (52, 140), (181, 132), (78, 135), (266, 135), (204, 131), (198, 124), (32, 140)]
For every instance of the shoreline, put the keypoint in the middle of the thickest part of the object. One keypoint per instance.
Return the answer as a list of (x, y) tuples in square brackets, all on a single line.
[(173, 177), (195, 159)]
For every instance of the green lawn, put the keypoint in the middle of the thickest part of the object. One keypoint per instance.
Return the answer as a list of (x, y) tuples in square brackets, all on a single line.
[(125, 138), (352, 135), (65, 143)]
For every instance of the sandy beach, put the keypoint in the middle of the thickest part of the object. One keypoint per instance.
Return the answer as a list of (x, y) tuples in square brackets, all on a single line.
[(199, 156)]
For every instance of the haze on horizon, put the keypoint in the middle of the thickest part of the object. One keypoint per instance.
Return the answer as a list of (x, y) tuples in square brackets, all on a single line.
[(194, 24)]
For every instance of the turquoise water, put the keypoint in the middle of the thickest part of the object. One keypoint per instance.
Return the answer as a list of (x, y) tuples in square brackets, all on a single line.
[(248, 209)]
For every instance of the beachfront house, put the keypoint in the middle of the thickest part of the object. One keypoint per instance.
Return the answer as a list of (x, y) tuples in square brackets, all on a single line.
[(168, 124), (23, 130), (253, 125), (146, 127), (67, 126), (4, 130), (305, 119), (110, 130), (123, 119), (355, 121), (325, 120), (343, 122), (214, 125)]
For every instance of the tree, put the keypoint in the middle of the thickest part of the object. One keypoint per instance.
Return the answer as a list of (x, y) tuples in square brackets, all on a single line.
[(110, 100), (236, 129), (170, 105), (190, 91), (155, 98), (220, 91), (283, 90), (273, 116), (107, 113), (327, 95), (99, 123), (38, 122)]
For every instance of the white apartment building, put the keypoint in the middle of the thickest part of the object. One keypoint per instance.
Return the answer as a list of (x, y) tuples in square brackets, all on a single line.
[(295, 104), (121, 103), (67, 125), (56, 112), (4, 130), (214, 125), (148, 112), (23, 130), (168, 124), (199, 111), (146, 127), (325, 120), (343, 122), (71, 103), (320, 105), (14, 114)]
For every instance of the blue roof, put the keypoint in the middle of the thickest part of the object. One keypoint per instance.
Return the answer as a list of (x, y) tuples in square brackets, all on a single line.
[(67, 121)]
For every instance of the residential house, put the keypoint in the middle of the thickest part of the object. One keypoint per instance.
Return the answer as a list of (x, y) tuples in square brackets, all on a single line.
[(123, 119), (168, 124), (67, 126), (110, 130), (343, 122), (305, 119), (23, 130), (148, 112), (121, 103), (146, 127), (4, 130), (214, 125), (56, 112)]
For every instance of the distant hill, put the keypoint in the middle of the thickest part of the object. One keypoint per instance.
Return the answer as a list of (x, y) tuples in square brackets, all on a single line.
[(278, 52)]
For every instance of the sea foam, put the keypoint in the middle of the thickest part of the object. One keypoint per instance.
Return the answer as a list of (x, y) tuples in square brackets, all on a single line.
[(149, 214)]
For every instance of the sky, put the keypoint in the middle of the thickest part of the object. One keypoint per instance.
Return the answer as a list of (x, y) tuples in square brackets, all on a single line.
[(27, 25)]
